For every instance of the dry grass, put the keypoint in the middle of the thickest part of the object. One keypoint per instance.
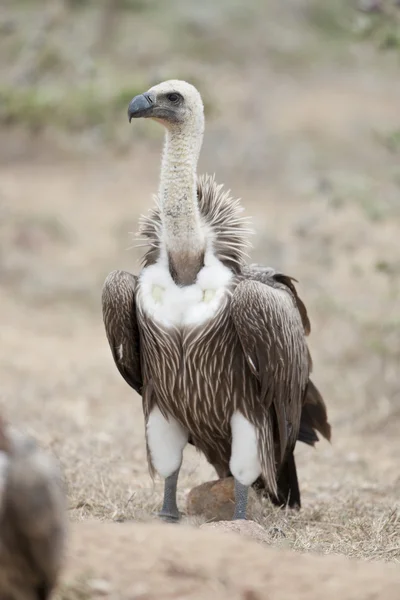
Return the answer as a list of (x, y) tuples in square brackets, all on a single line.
[(311, 160)]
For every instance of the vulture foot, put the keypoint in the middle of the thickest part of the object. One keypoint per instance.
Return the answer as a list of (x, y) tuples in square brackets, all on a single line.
[(241, 497), (169, 517)]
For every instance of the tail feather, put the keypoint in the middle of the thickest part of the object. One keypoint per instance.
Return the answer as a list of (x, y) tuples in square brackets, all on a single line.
[(314, 417), (307, 434), (288, 485)]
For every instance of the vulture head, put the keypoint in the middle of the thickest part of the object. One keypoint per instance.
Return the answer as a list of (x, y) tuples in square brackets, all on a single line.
[(174, 103)]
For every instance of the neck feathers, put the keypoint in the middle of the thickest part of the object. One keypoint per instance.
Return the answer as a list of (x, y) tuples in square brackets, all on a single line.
[(183, 238), (228, 231)]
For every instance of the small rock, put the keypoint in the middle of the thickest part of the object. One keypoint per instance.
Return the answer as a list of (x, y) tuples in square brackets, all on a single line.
[(249, 529), (215, 500)]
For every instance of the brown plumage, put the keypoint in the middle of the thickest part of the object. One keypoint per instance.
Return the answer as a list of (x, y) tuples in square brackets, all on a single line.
[(32, 519), (164, 351), (234, 382)]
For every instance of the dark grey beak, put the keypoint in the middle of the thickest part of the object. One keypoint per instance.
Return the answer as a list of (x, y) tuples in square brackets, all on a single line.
[(140, 106)]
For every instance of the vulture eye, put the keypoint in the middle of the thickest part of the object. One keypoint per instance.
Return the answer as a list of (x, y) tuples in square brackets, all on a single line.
[(174, 98)]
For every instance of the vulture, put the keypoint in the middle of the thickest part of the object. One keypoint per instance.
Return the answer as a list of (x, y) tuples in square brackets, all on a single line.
[(216, 348), (32, 518)]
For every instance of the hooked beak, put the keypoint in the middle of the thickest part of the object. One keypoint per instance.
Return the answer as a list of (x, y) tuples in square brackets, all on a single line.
[(141, 106)]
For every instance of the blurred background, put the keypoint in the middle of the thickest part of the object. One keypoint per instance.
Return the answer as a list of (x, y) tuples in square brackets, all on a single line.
[(302, 101)]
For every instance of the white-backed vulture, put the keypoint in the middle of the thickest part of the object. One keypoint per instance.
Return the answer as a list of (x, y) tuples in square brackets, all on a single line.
[(217, 349)]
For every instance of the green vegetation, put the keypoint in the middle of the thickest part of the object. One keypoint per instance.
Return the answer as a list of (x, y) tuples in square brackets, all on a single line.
[(134, 5), (339, 19), (332, 19), (36, 107), (391, 141), (69, 66), (382, 28)]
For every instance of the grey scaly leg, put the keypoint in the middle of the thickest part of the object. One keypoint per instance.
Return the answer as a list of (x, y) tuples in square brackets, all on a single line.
[(241, 496), (169, 511)]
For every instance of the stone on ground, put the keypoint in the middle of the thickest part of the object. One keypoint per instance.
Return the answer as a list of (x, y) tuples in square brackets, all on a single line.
[(215, 500)]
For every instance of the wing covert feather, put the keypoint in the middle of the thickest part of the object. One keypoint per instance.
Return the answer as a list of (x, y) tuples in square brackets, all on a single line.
[(269, 276), (120, 321), (271, 333)]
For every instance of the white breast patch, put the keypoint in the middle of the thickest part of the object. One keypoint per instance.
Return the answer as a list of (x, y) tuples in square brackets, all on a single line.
[(173, 306)]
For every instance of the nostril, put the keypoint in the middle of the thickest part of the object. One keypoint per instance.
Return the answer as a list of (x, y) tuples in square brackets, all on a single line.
[(148, 98)]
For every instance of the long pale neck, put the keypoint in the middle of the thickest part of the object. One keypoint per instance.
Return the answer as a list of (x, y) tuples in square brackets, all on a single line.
[(182, 232)]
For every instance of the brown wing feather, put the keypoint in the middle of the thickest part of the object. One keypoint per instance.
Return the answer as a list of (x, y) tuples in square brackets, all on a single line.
[(314, 414), (269, 276), (272, 337), (314, 417), (119, 316)]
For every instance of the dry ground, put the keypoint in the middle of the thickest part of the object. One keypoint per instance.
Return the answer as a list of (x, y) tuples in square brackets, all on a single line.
[(305, 129), (188, 564)]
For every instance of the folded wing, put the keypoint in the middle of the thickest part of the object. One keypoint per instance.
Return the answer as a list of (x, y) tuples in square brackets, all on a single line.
[(271, 333), (119, 316)]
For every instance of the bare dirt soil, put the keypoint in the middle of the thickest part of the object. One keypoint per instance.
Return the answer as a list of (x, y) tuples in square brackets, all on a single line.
[(303, 125), (147, 562)]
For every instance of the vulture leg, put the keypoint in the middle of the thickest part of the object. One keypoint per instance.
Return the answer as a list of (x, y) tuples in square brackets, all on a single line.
[(166, 439), (244, 463), (241, 497), (169, 511)]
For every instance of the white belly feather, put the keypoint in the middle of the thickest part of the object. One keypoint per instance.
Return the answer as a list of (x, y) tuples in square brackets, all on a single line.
[(173, 306)]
